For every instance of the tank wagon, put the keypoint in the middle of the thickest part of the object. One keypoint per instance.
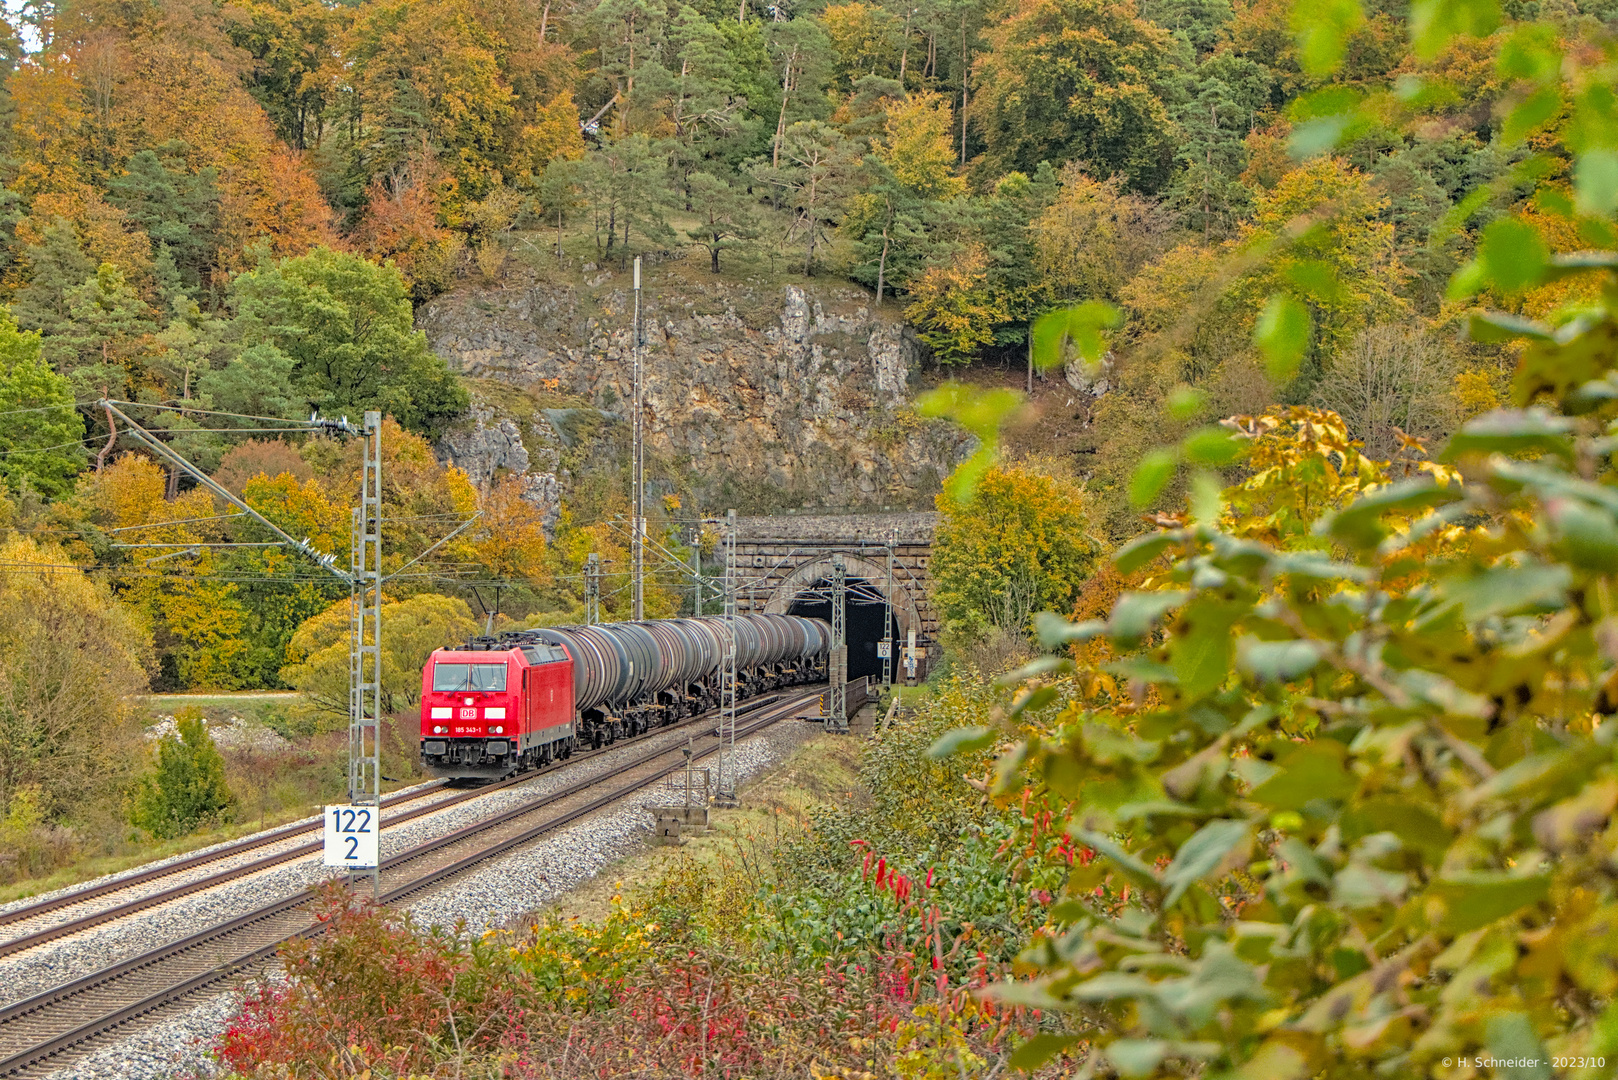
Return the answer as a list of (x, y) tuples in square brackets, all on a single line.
[(498, 705)]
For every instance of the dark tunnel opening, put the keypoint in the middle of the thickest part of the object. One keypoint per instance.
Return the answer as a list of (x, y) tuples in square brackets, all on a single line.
[(864, 624)]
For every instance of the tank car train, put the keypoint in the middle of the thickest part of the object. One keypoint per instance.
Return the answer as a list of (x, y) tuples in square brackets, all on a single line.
[(496, 706)]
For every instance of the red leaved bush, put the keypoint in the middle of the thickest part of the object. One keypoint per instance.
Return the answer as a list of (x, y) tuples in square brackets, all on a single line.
[(633, 996), (371, 993)]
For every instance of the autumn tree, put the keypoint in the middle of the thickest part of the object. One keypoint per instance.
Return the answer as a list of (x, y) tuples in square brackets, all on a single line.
[(509, 541), (1350, 242), (253, 457), (71, 660), (1067, 80), (1095, 236), (290, 42), (402, 224), (197, 619), (954, 308), (916, 145), (865, 38), (411, 629), (1020, 545)]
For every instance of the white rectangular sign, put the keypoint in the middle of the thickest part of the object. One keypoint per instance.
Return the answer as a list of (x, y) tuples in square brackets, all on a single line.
[(884, 649), (352, 836)]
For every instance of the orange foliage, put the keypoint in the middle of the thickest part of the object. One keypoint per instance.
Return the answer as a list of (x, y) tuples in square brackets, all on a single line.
[(402, 223), (265, 190), (510, 538), (48, 128), (101, 228)]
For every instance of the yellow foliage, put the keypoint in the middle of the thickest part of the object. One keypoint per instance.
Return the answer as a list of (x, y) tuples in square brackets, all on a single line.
[(1562, 235), (554, 134), (1349, 237), (100, 226), (177, 596), (510, 537), (1476, 393), (1303, 464), (304, 510), (48, 128), (1019, 546), (71, 656), (917, 146), (1093, 237), (864, 36), (954, 308), (317, 655), (1157, 296)]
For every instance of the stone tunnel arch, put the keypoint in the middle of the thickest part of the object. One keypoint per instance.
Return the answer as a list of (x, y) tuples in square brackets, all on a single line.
[(795, 596), (782, 558)]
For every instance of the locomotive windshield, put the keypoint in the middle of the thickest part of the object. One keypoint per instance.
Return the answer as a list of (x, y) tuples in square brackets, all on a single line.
[(458, 678)]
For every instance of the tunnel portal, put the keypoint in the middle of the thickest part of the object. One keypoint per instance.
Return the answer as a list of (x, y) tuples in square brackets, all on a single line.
[(864, 626)]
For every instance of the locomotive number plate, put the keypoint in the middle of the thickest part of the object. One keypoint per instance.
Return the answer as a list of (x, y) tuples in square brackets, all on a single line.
[(469, 714)]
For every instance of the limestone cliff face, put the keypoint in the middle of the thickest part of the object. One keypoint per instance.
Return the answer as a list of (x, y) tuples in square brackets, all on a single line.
[(758, 397), (488, 446)]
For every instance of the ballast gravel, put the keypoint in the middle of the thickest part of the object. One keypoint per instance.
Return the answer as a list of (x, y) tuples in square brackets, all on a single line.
[(96, 904), (490, 896)]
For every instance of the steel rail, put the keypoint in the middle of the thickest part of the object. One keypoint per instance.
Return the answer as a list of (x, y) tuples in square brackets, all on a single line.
[(36, 1053), (131, 907), (238, 847)]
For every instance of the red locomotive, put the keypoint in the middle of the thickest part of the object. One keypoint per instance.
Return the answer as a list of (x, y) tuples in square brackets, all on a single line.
[(486, 713)]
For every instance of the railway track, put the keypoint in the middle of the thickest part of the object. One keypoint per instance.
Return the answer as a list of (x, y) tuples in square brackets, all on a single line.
[(63, 929), (71, 1019)]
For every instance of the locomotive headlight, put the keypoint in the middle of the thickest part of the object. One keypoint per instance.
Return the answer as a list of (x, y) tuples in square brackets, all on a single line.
[(498, 729), (440, 729)]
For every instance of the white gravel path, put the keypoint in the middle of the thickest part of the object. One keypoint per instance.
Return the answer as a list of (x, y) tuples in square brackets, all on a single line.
[(507, 887)]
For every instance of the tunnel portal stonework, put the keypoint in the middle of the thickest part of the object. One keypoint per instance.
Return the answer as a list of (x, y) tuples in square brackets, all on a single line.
[(779, 557)]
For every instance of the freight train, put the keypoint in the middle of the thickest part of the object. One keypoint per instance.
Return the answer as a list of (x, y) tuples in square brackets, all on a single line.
[(499, 705)]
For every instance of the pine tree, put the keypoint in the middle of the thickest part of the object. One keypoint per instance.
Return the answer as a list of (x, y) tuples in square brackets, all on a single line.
[(176, 208), (727, 216), (815, 169), (100, 344), (1227, 95), (56, 264)]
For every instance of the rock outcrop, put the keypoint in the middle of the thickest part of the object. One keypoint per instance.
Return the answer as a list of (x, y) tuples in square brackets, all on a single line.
[(490, 447), (758, 397)]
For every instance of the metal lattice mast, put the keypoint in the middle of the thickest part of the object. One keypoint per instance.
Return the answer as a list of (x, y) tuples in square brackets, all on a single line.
[(887, 618), (365, 648), (592, 589), (837, 696), (637, 542), (696, 578), (726, 786)]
